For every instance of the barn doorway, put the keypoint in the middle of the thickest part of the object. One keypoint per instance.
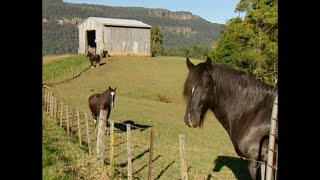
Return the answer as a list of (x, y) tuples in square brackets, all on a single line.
[(91, 37)]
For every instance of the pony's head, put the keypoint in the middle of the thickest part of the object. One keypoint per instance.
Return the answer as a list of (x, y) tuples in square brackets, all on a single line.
[(198, 91), (111, 96)]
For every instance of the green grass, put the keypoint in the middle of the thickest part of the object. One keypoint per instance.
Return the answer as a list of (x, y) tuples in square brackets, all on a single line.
[(64, 68), (149, 92), (62, 159)]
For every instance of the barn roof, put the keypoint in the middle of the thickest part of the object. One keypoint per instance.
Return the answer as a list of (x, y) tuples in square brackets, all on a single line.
[(120, 22)]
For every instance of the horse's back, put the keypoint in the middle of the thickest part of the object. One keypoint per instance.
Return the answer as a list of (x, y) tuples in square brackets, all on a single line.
[(94, 102)]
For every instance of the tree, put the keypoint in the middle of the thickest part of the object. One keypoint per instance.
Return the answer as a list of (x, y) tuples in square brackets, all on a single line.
[(251, 43), (156, 41)]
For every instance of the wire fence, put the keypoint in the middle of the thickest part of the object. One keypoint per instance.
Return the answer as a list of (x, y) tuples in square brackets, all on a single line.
[(127, 156)]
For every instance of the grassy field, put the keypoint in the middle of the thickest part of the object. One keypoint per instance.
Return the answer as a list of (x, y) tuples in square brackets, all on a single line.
[(149, 93), (62, 159)]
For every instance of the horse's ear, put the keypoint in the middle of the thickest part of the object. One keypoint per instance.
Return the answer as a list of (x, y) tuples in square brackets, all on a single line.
[(189, 64), (115, 89), (109, 87), (209, 63)]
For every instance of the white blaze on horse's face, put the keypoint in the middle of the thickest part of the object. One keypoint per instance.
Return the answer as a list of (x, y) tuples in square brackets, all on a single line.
[(112, 95)]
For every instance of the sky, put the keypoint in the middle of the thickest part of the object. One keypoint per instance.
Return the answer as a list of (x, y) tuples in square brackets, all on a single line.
[(215, 11)]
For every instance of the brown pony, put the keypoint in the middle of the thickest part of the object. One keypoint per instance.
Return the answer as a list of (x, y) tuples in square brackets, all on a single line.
[(104, 101), (94, 59)]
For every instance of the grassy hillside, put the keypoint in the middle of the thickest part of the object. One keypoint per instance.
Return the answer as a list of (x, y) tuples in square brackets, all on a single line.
[(149, 93)]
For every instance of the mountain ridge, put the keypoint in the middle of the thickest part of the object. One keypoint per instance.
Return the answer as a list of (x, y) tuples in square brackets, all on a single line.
[(181, 29)]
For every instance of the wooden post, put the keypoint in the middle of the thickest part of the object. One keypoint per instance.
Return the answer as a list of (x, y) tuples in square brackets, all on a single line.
[(88, 133), (101, 136), (45, 98), (56, 108), (67, 117), (129, 151), (73, 117), (51, 104), (53, 107), (79, 128), (48, 102), (150, 155), (111, 146), (72, 72), (183, 161), (273, 124), (61, 114)]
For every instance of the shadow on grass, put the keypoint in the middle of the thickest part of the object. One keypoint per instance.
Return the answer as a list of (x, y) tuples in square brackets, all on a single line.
[(238, 166), (164, 170), (122, 127)]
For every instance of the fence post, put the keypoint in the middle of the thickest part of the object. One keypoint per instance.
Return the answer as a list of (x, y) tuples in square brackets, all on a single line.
[(67, 117), (88, 133), (56, 108), (73, 117), (129, 151), (111, 147), (271, 151), (183, 161), (101, 136), (79, 128), (48, 101), (150, 155), (45, 98), (61, 114), (51, 104)]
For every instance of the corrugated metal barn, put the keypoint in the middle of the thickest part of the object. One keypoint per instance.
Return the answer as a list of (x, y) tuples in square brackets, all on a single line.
[(116, 36)]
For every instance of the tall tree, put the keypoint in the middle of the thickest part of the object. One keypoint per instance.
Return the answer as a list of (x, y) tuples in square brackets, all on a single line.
[(251, 43), (156, 41)]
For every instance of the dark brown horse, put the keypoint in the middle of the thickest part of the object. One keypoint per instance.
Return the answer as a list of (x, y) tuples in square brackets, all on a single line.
[(104, 101), (241, 103), (94, 59)]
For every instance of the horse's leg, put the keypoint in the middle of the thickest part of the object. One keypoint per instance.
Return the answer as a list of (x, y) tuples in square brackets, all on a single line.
[(253, 169), (263, 157)]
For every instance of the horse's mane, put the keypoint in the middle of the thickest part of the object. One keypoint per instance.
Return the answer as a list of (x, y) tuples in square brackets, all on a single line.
[(232, 85)]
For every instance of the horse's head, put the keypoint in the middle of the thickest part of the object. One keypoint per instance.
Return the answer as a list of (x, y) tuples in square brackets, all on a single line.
[(111, 96), (198, 90)]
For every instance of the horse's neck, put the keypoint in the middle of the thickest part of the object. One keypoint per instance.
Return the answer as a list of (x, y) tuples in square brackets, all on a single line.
[(230, 107)]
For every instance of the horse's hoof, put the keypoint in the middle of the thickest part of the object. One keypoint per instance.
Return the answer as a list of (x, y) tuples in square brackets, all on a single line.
[(92, 67)]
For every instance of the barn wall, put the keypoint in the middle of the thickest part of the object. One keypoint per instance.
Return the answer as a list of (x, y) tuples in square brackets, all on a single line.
[(115, 40), (85, 26), (82, 40), (126, 40)]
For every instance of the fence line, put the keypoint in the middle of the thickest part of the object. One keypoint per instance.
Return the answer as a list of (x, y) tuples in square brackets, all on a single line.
[(52, 105), (60, 112)]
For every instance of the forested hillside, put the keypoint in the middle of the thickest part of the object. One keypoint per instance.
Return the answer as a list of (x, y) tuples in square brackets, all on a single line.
[(181, 30)]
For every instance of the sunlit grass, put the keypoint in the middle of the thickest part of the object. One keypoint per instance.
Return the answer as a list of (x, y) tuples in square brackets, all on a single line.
[(149, 92)]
